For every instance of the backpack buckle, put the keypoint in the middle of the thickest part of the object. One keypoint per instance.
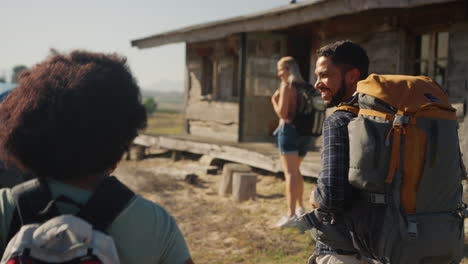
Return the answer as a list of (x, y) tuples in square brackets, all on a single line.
[(313, 219), (377, 198), (462, 211), (413, 229), (305, 222), (401, 120)]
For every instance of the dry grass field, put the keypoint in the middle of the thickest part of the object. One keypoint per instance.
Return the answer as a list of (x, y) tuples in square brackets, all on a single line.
[(168, 120), (217, 229)]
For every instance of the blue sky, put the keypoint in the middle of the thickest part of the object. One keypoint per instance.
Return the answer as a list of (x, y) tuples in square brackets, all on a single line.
[(29, 28)]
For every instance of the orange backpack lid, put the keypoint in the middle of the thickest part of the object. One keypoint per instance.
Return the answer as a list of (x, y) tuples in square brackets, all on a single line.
[(406, 93)]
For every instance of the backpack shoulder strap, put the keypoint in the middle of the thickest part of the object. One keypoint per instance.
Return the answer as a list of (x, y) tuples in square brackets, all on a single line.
[(348, 108), (107, 202), (31, 198)]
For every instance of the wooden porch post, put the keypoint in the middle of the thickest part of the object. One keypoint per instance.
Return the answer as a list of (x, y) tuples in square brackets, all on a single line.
[(242, 72)]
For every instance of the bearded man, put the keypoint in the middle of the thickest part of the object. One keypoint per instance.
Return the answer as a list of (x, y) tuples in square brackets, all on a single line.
[(340, 65)]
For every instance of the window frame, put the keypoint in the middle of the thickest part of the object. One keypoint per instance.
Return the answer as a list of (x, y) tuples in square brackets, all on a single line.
[(432, 41)]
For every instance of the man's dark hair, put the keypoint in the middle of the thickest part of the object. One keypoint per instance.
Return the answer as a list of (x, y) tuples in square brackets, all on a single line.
[(347, 54), (71, 116)]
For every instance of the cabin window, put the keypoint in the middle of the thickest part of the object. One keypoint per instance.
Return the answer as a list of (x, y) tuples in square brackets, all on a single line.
[(264, 79), (226, 78), (264, 54), (432, 56), (207, 77)]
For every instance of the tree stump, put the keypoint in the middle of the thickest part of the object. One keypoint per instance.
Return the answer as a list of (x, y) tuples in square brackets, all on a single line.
[(225, 187), (137, 152), (244, 186)]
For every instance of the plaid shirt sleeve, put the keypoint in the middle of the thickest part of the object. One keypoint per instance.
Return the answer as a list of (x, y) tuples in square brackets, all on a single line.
[(333, 189)]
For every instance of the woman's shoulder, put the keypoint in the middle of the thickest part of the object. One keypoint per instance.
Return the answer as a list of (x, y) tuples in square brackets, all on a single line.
[(153, 229), (141, 203), (142, 211)]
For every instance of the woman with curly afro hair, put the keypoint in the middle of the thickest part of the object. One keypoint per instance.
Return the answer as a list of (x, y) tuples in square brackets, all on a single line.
[(69, 122)]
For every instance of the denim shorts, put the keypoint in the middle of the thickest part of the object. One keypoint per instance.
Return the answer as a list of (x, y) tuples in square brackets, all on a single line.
[(289, 141)]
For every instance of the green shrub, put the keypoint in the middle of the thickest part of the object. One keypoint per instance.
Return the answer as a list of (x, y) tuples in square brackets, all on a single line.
[(150, 104)]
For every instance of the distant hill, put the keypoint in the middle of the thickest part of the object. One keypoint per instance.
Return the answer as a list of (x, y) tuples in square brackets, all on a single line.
[(165, 86), (165, 91), (172, 97)]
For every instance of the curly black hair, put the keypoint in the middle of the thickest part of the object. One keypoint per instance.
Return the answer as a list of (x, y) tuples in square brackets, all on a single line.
[(71, 116), (347, 54)]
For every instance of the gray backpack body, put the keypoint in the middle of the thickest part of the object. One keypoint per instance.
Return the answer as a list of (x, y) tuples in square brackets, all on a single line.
[(405, 159)]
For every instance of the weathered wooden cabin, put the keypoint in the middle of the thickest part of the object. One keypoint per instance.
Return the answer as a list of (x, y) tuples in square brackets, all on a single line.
[(231, 63), (230, 71)]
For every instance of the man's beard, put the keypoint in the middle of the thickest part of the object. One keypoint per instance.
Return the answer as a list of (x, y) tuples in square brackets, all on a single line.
[(338, 97)]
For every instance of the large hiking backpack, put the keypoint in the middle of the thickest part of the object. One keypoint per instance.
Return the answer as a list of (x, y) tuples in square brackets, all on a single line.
[(310, 110), (405, 159), (39, 234)]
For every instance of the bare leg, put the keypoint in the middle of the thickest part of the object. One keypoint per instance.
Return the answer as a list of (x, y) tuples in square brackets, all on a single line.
[(300, 192), (294, 181)]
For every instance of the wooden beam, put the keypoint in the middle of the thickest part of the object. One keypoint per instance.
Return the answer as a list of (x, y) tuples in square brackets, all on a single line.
[(241, 82), (259, 155)]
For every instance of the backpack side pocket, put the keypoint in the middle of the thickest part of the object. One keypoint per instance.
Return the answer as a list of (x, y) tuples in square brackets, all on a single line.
[(369, 155)]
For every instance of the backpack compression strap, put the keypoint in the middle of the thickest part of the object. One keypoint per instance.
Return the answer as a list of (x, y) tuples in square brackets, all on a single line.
[(348, 108), (109, 199), (400, 122)]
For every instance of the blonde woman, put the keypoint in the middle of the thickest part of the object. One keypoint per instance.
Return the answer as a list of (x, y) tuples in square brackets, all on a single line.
[(292, 145)]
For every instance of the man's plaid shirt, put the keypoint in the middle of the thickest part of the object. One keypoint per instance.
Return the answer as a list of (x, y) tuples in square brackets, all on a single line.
[(333, 189)]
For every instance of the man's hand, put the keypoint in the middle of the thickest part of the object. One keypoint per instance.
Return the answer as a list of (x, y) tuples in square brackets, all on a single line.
[(312, 200)]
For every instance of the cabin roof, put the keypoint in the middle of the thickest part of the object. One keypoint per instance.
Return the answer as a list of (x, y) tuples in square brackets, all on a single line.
[(274, 19)]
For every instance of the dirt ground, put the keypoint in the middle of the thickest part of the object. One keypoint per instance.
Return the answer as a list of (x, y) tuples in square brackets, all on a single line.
[(217, 229)]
